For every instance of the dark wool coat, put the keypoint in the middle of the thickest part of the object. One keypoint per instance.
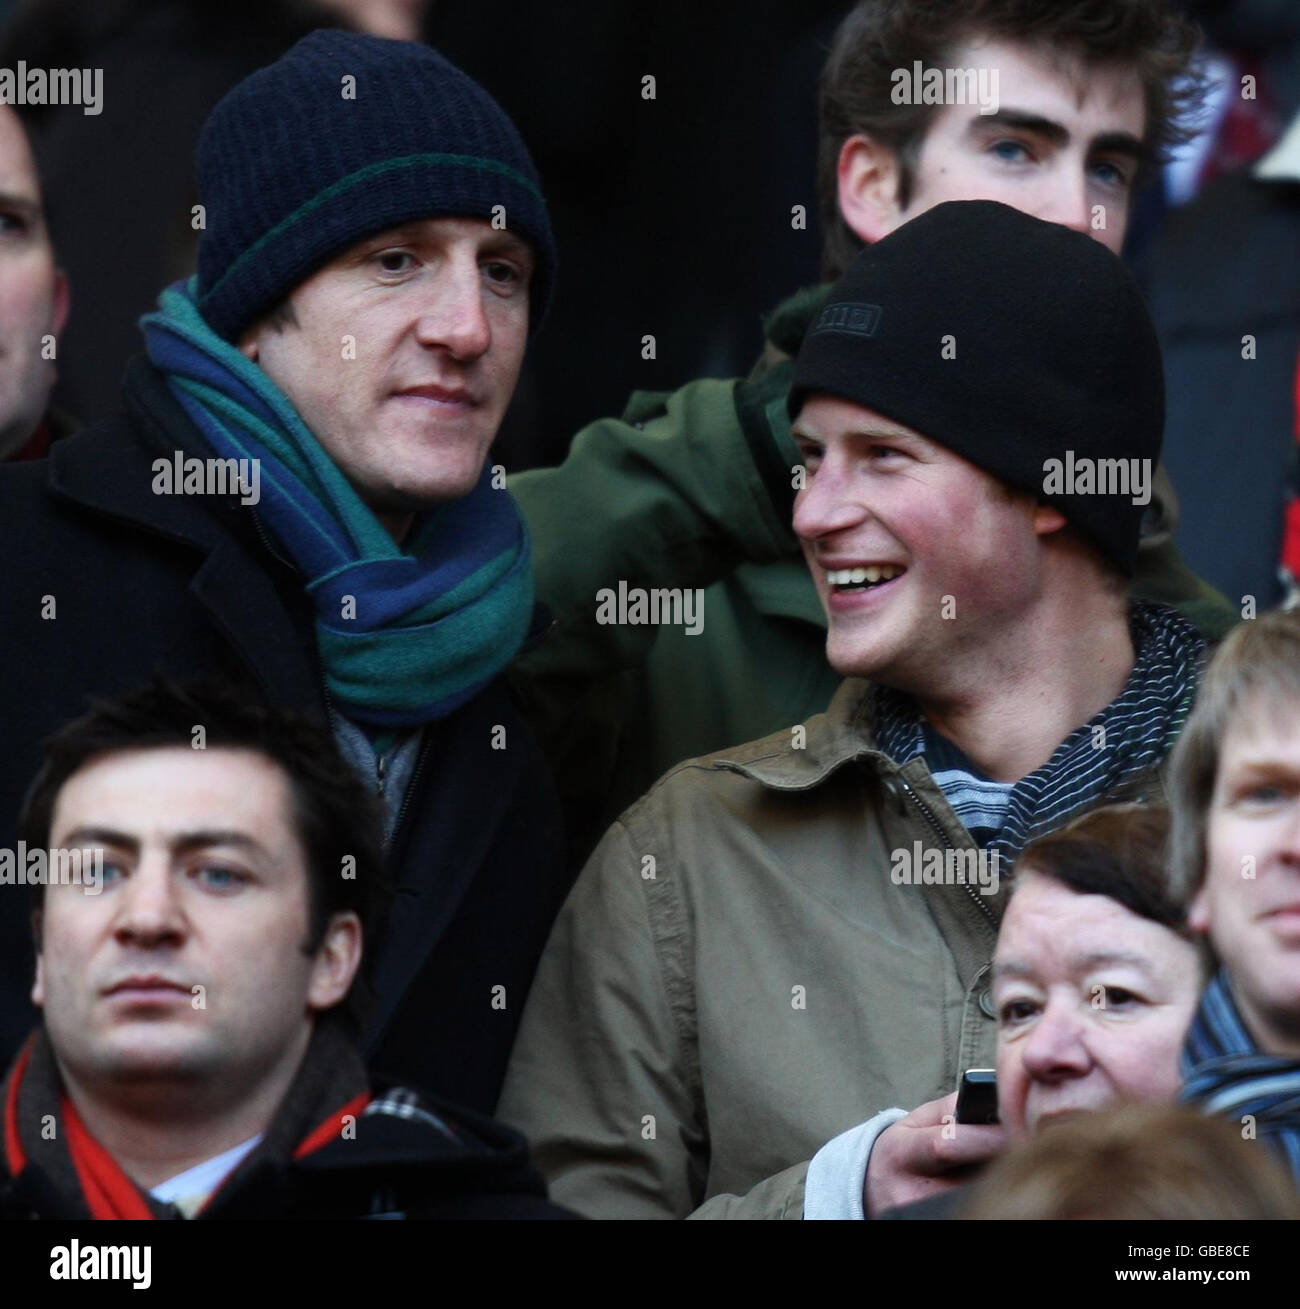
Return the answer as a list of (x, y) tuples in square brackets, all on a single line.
[(104, 581)]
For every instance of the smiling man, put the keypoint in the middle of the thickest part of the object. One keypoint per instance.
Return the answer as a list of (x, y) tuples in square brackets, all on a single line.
[(375, 253), (752, 977), (196, 1054)]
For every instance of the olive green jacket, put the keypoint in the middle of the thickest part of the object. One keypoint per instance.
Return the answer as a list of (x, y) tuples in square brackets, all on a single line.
[(745, 969), (695, 489)]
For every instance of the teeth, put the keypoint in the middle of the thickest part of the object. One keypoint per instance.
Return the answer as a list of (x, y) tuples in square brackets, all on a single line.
[(856, 576)]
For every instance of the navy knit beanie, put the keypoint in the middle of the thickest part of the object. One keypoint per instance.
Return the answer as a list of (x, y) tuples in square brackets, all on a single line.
[(1051, 355), (341, 137)]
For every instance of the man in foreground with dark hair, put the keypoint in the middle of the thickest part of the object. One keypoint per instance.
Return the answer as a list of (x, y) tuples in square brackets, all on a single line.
[(199, 997)]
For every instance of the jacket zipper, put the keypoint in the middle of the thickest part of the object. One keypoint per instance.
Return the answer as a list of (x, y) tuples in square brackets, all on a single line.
[(928, 814), (411, 783)]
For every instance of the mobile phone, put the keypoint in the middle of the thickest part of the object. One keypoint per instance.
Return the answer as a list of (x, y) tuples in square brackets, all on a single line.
[(977, 1096)]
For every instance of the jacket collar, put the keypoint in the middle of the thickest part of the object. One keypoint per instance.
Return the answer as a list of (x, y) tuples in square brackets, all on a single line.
[(842, 735), (108, 469), (99, 470)]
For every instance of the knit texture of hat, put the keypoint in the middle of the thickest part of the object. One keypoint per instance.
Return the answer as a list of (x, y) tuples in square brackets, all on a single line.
[(1012, 342), (342, 137)]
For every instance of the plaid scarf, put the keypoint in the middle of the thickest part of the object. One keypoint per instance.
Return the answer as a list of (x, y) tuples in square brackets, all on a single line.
[(330, 1083), (1140, 726), (1226, 1075), (432, 625)]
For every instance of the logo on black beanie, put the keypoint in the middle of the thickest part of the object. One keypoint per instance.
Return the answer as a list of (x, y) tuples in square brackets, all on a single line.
[(854, 319)]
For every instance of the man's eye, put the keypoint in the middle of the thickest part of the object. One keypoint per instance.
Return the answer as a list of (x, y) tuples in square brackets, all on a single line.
[(112, 870), (217, 878), (1264, 794), (394, 261), (13, 223), (503, 274), (1112, 175), (1013, 152)]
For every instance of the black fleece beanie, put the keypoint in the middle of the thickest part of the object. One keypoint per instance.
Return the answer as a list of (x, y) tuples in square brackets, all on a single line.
[(1012, 342)]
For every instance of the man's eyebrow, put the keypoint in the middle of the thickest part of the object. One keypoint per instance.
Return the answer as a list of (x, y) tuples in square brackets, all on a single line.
[(507, 242), (23, 203), (1262, 765), (1118, 143), (100, 836), (1111, 143), (1021, 120), (182, 842), (206, 836)]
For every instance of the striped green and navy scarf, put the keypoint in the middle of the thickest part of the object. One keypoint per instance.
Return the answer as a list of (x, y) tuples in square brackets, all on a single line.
[(1225, 1074), (428, 625)]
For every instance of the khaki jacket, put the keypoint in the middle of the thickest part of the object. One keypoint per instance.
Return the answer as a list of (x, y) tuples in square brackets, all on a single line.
[(735, 978)]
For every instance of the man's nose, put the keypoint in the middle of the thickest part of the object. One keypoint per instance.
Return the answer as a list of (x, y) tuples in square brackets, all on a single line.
[(826, 504), (149, 908), (1066, 201), (453, 315), (1056, 1048)]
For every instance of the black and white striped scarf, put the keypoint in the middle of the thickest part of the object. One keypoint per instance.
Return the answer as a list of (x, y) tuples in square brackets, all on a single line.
[(1225, 1074), (1138, 729)]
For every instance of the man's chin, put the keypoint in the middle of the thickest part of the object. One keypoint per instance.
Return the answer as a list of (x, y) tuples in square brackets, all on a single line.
[(156, 1063), (422, 490), (852, 657)]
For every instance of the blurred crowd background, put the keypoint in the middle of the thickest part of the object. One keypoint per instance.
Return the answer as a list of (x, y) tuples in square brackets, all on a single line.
[(674, 215)]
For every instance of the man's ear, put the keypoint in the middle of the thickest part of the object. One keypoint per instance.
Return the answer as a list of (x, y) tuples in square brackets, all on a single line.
[(1048, 519), (38, 986), (1198, 912), (867, 178), (336, 962), (248, 343)]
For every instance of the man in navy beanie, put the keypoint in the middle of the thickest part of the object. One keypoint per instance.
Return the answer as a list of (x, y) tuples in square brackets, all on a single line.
[(296, 497), (784, 940)]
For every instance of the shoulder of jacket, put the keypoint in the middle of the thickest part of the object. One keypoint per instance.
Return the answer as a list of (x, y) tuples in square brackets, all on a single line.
[(795, 758)]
